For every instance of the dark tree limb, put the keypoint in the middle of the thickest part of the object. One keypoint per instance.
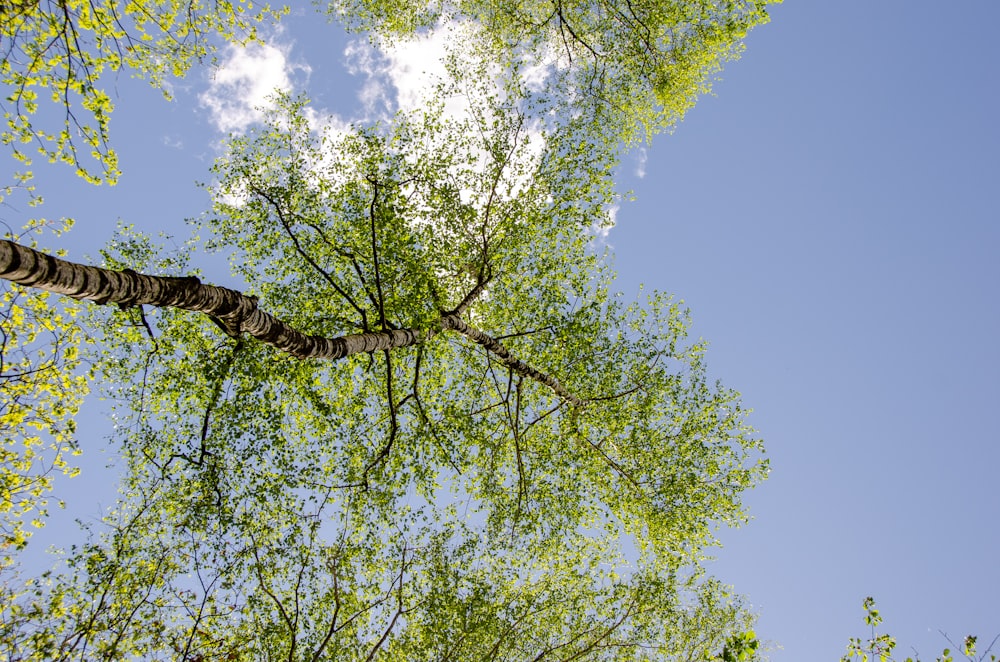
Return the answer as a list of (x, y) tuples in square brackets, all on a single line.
[(454, 323), (308, 258), (235, 312)]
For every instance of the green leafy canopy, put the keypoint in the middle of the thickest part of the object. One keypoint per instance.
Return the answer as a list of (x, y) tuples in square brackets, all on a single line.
[(56, 53), (624, 70), (536, 473)]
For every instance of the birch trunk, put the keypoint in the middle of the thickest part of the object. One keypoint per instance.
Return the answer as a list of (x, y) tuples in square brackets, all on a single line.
[(236, 312)]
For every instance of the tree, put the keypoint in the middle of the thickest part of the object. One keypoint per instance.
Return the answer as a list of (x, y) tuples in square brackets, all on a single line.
[(625, 69), (61, 49), (881, 646), (535, 472), (454, 440)]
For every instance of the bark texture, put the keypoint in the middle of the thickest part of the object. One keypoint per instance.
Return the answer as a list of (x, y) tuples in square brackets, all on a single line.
[(234, 311), (492, 345)]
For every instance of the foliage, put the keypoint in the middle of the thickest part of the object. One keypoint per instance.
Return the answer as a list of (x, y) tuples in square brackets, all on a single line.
[(625, 69), (40, 391), (539, 476), (431, 501), (741, 647), (881, 646), (58, 51)]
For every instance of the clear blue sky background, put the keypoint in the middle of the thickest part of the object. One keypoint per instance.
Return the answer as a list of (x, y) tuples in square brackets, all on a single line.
[(830, 216), (831, 219)]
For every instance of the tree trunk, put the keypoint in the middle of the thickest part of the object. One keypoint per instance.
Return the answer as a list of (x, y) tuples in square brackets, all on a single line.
[(235, 312)]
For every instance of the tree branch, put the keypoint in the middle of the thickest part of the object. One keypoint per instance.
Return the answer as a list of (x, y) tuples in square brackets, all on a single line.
[(492, 345), (235, 312), (308, 258)]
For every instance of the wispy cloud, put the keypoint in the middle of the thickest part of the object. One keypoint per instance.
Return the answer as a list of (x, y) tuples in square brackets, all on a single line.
[(362, 59), (407, 76), (600, 229), (244, 83), (400, 76), (641, 156)]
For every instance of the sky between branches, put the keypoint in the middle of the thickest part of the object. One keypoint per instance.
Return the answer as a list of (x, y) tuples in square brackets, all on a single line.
[(829, 216)]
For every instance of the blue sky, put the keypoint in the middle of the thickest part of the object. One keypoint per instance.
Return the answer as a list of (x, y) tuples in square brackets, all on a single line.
[(830, 217)]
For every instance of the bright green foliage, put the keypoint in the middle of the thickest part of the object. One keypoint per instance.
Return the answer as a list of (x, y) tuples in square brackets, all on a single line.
[(880, 646), (38, 396), (741, 647), (40, 392), (41, 389), (625, 68), (431, 501), (56, 51), (426, 502)]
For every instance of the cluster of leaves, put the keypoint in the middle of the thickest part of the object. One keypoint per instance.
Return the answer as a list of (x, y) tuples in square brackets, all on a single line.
[(628, 69), (538, 474), (880, 646), (41, 389), (40, 392), (57, 51), (40, 395)]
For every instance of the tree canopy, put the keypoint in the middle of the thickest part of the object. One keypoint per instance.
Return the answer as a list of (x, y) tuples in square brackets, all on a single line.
[(447, 436), (60, 53), (39, 397), (626, 69), (406, 483)]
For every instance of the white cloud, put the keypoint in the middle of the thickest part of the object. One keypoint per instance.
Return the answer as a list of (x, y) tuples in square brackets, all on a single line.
[(416, 67), (601, 230), (244, 83), (404, 76), (398, 76), (414, 75), (401, 75), (362, 59), (641, 156)]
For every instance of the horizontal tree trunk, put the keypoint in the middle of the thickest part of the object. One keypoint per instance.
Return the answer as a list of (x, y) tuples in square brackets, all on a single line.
[(235, 312)]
